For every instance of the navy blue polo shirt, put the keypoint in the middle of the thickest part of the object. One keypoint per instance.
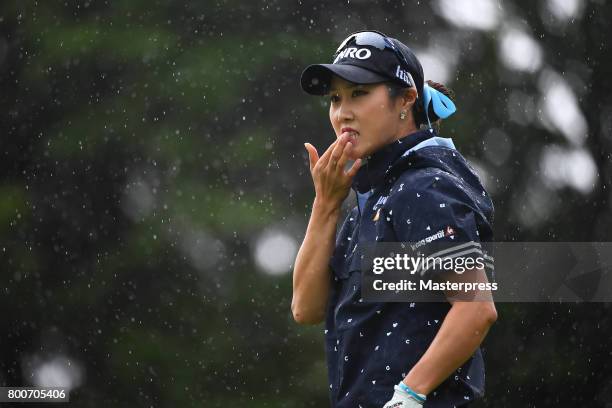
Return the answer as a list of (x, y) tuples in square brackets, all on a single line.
[(406, 191)]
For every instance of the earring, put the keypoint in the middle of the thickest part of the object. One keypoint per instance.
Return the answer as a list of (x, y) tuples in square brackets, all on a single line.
[(403, 115)]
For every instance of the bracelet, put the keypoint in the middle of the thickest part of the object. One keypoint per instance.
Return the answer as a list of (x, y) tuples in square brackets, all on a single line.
[(419, 397)]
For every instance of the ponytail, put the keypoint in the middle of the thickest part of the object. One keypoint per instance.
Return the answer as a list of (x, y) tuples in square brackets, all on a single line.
[(439, 102), (435, 115)]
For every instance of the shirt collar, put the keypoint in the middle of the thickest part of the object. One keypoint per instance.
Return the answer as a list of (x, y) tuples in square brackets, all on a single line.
[(372, 172)]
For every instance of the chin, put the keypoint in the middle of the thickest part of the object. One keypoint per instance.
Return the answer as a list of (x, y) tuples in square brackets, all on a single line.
[(361, 151)]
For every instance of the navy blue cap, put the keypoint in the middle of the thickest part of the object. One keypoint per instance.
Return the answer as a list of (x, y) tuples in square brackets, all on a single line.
[(366, 64)]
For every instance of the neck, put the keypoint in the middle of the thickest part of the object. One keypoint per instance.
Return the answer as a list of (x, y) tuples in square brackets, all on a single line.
[(405, 129)]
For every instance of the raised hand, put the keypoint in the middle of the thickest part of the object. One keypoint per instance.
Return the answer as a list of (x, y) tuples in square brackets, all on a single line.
[(331, 182)]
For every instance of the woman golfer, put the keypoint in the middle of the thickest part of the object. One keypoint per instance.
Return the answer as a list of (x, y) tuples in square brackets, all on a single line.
[(411, 186)]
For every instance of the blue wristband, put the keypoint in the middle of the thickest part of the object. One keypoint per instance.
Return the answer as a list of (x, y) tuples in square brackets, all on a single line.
[(419, 397)]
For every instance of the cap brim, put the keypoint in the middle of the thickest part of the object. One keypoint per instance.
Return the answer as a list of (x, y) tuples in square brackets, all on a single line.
[(316, 79)]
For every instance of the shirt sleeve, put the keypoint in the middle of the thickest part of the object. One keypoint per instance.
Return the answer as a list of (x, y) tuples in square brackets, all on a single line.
[(439, 222)]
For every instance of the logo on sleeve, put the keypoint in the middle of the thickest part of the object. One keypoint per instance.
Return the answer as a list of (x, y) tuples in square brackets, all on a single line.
[(443, 233)]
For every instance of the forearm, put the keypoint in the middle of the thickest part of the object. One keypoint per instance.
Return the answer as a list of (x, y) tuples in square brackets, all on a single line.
[(462, 331), (311, 271)]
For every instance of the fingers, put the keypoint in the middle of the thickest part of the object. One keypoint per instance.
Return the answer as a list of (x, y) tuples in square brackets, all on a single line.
[(337, 151), (334, 159), (354, 168), (344, 157), (325, 157), (313, 155)]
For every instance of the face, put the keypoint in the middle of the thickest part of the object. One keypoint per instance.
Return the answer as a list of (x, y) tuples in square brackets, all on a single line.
[(367, 113)]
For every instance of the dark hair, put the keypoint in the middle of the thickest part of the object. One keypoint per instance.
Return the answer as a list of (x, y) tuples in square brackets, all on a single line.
[(418, 112)]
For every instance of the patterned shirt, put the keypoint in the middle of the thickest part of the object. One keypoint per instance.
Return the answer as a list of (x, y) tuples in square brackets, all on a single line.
[(406, 191)]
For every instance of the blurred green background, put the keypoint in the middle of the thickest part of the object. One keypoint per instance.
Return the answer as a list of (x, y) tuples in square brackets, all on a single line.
[(154, 188)]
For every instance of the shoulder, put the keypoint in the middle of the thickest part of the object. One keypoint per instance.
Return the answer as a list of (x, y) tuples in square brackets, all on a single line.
[(422, 186)]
